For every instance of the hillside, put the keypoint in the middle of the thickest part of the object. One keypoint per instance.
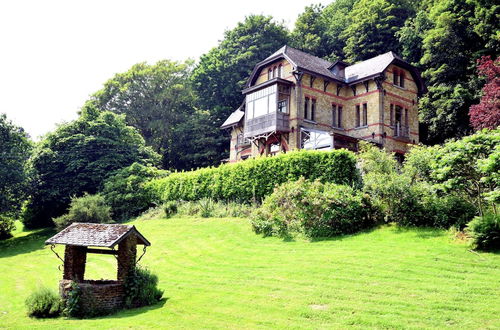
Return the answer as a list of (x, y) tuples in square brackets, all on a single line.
[(217, 273)]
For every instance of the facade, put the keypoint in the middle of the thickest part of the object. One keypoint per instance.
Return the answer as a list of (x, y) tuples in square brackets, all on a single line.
[(294, 100)]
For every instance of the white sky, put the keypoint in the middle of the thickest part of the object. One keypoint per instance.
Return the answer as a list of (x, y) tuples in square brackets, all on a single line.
[(54, 54)]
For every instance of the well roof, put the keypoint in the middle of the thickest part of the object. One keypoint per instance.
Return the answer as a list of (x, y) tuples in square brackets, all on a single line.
[(95, 234)]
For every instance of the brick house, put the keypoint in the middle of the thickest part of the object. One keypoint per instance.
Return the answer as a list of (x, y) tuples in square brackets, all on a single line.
[(294, 100)]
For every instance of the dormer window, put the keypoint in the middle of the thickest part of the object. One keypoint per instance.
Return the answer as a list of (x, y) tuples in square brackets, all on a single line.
[(402, 79), (269, 74), (395, 77), (275, 72), (280, 71)]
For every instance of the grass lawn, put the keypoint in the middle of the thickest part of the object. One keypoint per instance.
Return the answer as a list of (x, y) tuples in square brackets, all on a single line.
[(217, 273)]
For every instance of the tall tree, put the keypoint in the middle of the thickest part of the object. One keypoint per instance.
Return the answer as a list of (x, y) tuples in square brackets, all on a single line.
[(155, 99), (373, 28), (308, 33), (486, 114), (15, 149), (77, 158), (337, 19)]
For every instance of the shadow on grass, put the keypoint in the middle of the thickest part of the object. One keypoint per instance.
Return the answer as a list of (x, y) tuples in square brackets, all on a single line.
[(134, 311), (342, 237), (421, 232), (25, 244)]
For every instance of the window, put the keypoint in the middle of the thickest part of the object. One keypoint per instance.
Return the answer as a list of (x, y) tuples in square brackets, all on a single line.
[(339, 117), (406, 117), (306, 108), (314, 140), (313, 109), (402, 79), (392, 115), (282, 106), (357, 116), (261, 102), (280, 71), (336, 115), (395, 77), (275, 71), (269, 74), (365, 114)]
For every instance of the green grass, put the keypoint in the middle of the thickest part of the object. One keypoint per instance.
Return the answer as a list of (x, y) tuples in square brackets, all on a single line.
[(217, 273)]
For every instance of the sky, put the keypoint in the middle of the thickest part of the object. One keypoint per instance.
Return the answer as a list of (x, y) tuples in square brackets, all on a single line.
[(54, 54)]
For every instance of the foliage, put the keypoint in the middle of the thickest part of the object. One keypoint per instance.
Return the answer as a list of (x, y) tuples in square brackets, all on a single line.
[(459, 165), (6, 226), (486, 114), (141, 288), (407, 197), (15, 148), (43, 303), (485, 232), (156, 99), (373, 26), (206, 207), (77, 158), (253, 179), (170, 208), (88, 209), (309, 29), (124, 191), (72, 303), (313, 209)]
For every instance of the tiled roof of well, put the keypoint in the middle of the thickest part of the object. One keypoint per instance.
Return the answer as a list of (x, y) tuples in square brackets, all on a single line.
[(95, 234)]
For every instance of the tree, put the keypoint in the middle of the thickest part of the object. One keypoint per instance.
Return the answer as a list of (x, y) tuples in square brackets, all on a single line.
[(77, 158), (373, 28), (450, 47), (308, 34), (337, 19), (15, 149), (486, 114), (154, 99)]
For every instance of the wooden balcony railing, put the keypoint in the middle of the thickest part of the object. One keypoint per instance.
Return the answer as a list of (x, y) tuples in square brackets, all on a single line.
[(276, 121)]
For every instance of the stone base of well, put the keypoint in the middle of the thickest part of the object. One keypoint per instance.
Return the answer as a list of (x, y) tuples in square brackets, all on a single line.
[(98, 297)]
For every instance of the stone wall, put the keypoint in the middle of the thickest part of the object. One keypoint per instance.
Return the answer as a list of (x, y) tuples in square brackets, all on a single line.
[(98, 297)]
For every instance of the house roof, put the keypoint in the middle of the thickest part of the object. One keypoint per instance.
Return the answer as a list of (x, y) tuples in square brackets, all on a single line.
[(358, 72), (95, 234), (234, 118)]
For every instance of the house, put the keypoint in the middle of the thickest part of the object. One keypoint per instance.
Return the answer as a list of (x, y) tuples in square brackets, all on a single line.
[(294, 100)]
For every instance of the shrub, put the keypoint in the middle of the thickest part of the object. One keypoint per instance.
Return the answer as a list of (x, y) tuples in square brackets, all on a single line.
[(313, 209), (44, 303), (141, 288), (124, 192), (6, 226), (89, 208), (485, 232), (254, 179), (170, 208), (72, 304)]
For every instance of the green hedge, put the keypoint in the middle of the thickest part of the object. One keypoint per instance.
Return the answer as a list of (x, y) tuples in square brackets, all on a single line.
[(253, 179)]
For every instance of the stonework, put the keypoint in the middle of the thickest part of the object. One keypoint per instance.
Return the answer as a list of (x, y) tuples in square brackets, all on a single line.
[(97, 297)]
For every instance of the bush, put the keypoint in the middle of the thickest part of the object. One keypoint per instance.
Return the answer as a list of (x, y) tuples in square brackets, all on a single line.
[(124, 192), (207, 207), (72, 304), (314, 209), (141, 288), (89, 208), (254, 179), (170, 208), (485, 232), (6, 226), (44, 303)]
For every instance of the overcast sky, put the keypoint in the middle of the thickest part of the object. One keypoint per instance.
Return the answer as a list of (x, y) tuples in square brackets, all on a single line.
[(54, 54)]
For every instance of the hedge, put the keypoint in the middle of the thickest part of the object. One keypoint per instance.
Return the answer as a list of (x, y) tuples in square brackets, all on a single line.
[(253, 179)]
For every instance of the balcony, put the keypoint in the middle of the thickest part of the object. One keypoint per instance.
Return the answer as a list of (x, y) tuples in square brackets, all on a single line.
[(401, 131), (272, 122)]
